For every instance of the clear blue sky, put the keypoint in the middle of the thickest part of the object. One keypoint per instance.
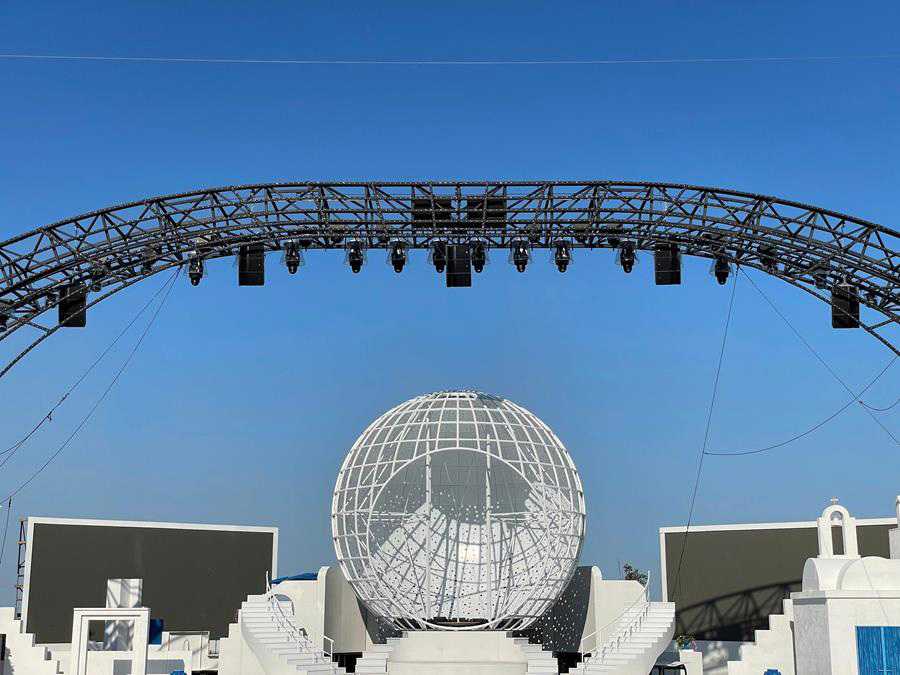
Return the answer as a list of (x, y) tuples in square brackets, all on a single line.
[(241, 406)]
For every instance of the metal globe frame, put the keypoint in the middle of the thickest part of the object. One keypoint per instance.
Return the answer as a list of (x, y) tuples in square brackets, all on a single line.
[(809, 247), (458, 510)]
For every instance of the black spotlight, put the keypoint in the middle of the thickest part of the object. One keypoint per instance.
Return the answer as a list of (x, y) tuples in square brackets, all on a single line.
[(563, 256), (627, 257), (148, 257), (820, 279), (195, 271), (4, 314), (398, 256), (767, 257), (98, 272), (721, 269), (479, 256), (292, 258), (520, 254), (355, 256), (439, 256)]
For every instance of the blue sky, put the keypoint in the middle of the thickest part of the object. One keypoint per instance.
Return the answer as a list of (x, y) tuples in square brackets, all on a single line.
[(241, 405)]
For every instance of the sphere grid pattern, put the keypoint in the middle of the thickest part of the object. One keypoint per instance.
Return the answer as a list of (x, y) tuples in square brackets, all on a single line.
[(458, 510)]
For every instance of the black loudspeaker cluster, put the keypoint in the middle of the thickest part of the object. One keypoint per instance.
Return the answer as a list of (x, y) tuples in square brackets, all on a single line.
[(459, 266), (844, 307), (72, 306), (667, 263), (252, 265)]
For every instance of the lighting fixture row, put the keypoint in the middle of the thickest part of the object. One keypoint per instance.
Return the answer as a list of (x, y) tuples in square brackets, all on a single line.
[(520, 256)]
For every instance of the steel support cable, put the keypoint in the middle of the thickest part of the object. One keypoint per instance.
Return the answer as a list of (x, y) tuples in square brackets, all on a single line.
[(5, 528), (709, 414), (118, 374), (818, 356), (11, 451), (119, 287), (873, 408), (815, 427)]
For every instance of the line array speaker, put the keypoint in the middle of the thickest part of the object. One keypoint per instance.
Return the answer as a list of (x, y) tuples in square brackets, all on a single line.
[(437, 212), (667, 262), (459, 266), (485, 210), (72, 306), (844, 307), (252, 265)]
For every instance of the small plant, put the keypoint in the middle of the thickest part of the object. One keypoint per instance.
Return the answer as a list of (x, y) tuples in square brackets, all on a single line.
[(684, 641), (632, 573)]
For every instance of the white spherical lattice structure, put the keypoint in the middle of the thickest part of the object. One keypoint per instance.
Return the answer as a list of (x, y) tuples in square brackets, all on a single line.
[(458, 510)]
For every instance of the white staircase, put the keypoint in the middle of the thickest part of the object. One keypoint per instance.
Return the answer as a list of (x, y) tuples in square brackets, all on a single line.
[(24, 655), (281, 647), (374, 659), (772, 648), (540, 660), (640, 635)]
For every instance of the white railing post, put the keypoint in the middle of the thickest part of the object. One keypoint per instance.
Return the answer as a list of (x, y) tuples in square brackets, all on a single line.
[(614, 642), (320, 654)]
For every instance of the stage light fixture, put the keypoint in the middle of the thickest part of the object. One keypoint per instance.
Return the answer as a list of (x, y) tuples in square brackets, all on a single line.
[(4, 314), (292, 257), (820, 279), (195, 271), (722, 269), (148, 257), (767, 257), (520, 254), (398, 256), (98, 272), (563, 256), (355, 256), (439, 256), (627, 257), (479, 256)]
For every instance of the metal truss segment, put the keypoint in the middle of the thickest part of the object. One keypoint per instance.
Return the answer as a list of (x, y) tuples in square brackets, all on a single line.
[(804, 245)]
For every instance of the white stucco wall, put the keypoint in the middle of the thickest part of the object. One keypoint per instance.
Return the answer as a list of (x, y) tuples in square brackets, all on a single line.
[(825, 627), (343, 619), (452, 653), (308, 598), (609, 597)]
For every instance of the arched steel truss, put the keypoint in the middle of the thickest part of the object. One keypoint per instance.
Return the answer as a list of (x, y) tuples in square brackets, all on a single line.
[(108, 250)]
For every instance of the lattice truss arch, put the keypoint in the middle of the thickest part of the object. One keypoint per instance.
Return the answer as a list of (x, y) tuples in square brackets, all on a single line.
[(110, 249)]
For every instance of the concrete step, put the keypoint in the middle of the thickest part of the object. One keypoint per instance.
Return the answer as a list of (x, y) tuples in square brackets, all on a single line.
[(380, 648), (320, 668)]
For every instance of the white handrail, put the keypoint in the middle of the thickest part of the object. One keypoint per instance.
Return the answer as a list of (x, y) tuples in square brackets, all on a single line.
[(614, 642), (299, 635)]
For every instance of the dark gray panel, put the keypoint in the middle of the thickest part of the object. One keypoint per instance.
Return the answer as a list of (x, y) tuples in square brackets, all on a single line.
[(732, 580), (562, 625), (193, 579)]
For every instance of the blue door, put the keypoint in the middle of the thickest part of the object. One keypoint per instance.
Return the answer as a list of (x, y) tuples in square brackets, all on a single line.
[(878, 650)]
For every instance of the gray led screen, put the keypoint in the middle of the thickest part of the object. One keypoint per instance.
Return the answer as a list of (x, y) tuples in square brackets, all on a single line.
[(732, 580), (194, 579)]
